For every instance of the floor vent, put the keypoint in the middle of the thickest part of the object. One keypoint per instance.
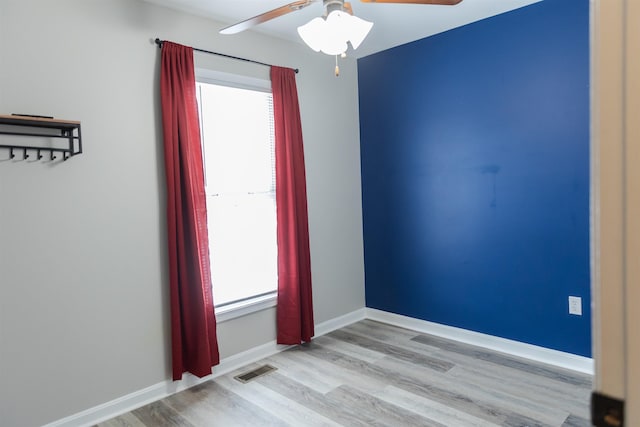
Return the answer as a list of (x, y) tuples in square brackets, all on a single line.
[(255, 373)]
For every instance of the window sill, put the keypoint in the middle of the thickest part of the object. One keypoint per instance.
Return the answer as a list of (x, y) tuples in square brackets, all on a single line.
[(244, 308)]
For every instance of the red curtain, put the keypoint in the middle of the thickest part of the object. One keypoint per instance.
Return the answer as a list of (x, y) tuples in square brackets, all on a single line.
[(295, 305), (193, 324)]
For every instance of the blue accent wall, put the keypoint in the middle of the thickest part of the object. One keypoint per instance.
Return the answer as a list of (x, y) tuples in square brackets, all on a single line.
[(475, 176)]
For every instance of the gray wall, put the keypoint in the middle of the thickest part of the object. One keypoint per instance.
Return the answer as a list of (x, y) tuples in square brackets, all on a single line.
[(83, 277)]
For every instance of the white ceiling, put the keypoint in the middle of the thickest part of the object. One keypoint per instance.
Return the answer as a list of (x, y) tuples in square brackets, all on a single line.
[(394, 24)]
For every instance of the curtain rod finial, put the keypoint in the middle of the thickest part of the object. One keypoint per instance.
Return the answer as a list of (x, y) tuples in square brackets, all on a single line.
[(158, 42)]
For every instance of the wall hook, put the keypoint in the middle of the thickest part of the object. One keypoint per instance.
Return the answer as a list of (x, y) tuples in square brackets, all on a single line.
[(65, 129)]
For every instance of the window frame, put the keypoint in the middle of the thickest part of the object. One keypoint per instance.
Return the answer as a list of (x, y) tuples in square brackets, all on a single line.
[(262, 301)]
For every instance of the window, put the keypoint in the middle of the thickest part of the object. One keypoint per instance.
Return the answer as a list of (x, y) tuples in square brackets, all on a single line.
[(238, 148)]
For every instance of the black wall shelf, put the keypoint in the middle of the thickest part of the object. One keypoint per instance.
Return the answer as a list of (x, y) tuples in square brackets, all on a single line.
[(30, 126)]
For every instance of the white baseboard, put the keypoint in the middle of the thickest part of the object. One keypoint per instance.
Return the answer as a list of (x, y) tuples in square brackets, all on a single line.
[(514, 348), (166, 388), (163, 389), (158, 391), (340, 322)]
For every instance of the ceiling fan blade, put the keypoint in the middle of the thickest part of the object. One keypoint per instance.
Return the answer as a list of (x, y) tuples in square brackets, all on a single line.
[(441, 2), (267, 16), (347, 8)]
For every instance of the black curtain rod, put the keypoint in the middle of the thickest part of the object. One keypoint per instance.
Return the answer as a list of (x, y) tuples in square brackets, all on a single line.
[(159, 43)]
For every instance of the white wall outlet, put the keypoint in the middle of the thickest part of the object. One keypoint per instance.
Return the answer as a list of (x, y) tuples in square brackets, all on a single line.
[(575, 306)]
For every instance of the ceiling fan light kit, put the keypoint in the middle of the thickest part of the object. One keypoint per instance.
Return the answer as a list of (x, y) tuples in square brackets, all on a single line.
[(331, 32)]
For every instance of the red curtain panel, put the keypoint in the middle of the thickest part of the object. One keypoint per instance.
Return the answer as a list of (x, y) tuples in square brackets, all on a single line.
[(193, 324), (295, 304)]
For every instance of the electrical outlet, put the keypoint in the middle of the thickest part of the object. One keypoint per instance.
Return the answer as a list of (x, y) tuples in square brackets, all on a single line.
[(575, 306)]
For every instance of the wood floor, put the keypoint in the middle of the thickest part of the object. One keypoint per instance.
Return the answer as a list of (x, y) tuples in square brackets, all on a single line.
[(373, 374)]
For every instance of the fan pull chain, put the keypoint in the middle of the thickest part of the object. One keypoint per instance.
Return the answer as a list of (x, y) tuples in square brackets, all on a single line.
[(337, 70)]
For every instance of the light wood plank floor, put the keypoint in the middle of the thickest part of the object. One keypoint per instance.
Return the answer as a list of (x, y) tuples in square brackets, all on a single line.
[(373, 374)]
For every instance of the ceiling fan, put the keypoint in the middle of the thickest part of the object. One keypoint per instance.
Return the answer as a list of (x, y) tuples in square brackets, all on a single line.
[(330, 33)]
